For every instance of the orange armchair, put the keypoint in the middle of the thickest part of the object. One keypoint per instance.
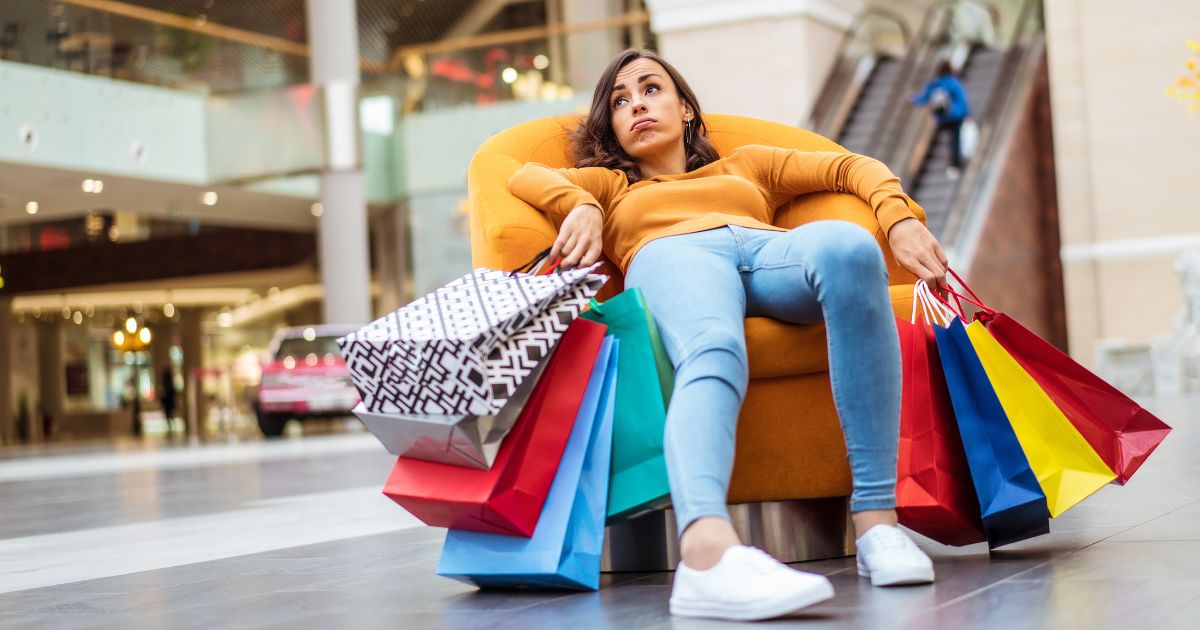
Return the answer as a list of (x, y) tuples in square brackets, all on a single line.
[(789, 442)]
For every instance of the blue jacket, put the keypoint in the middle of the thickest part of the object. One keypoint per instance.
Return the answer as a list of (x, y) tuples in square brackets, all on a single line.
[(958, 108)]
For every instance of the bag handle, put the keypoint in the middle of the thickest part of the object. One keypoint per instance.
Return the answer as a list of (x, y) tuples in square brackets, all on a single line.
[(527, 267), (534, 267), (932, 305)]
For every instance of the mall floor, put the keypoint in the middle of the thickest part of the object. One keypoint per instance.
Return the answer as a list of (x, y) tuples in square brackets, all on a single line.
[(295, 534)]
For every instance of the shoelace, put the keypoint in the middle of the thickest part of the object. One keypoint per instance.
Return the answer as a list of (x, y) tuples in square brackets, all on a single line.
[(891, 538), (762, 562)]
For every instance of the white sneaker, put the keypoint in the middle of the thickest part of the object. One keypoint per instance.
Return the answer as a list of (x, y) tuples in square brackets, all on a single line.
[(746, 585), (890, 558)]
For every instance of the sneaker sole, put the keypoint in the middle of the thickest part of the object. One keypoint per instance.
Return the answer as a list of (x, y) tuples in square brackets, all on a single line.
[(904, 577), (763, 609)]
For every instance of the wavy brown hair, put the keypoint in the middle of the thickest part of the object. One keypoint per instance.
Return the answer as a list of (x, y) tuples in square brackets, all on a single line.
[(594, 143)]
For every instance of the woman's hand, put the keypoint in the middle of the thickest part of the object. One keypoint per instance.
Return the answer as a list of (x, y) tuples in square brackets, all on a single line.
[(579, 240), (918, 251)]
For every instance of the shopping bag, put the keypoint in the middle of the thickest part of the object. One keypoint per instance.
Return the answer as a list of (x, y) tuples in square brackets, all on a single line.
[(1065, 464), (1011, 501), (457, 351), (463, 440), (1121, 431), (565, 549), (968, 138), (508, 498), (934, 494), (639, 470), (474, 440)]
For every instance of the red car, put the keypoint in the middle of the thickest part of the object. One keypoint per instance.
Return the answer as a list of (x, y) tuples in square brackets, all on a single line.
[(305, 377)]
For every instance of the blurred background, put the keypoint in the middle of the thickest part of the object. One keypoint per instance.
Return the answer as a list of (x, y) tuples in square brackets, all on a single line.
[(198, 196)]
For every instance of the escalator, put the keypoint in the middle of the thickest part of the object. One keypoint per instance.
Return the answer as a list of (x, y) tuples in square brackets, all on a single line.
[(931, 184), (998, 220), (871, 108)]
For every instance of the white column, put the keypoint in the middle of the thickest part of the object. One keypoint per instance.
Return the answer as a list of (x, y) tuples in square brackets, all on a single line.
[(192, 344), (51, 375), (761, 58), (589, 53), (7, 405), (342, 235)]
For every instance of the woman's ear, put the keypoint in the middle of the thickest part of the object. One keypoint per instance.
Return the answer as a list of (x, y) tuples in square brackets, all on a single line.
[(688, 114)]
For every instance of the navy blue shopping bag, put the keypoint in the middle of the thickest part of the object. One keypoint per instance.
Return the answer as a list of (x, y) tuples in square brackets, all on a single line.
[(565, 549), (1013, 504)]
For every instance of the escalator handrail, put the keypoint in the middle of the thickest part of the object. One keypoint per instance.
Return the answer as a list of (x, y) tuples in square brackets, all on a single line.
[(978, 184), (840, 83)]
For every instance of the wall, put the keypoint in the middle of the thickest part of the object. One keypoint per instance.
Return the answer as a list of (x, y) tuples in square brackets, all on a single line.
[(1126, 160)]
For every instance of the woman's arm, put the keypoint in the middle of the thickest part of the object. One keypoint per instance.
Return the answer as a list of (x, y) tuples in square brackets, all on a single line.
[(789, 172), (558, 191), (575, 199)]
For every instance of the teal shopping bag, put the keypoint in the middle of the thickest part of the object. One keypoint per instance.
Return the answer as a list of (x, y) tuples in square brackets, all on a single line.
[(639, 469)]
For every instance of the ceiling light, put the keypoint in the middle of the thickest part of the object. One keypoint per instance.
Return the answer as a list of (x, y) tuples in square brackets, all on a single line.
[(169, 310), (317, 209), (31, 207), (118, 339), (89, 185), (131, 325), (508, 75), (541, 62), (144, 335), (209, 198)]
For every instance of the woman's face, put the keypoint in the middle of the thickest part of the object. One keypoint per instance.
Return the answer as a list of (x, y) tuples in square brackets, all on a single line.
[(646, 110)]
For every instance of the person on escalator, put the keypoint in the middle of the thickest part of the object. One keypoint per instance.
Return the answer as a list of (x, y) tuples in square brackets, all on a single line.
[(947, 97)]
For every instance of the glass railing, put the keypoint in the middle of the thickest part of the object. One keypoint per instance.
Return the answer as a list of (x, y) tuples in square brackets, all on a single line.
[(235, 49), (94, 229)]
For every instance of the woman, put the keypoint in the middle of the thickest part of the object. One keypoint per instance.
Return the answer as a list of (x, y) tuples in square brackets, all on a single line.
[(693, 231)]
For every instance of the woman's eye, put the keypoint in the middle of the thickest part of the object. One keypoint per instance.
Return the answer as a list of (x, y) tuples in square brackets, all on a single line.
[(617, 102), (651, 87)]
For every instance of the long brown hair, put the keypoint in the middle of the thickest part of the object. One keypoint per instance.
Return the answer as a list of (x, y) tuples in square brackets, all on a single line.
[(594, 143)]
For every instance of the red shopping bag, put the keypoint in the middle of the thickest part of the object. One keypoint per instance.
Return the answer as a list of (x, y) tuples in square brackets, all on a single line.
[(1121, 431), (508, 498), (1117, 428), (934, 492)]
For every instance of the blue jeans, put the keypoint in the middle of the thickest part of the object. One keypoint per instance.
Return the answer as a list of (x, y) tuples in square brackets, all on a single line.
[(701, 286)]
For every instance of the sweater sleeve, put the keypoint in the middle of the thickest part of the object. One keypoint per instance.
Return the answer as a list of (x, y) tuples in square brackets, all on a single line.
[(791, 172), (558, 191)]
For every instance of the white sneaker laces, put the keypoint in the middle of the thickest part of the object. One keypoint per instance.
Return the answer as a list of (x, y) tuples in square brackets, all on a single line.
[(892, 538), (760, 561)]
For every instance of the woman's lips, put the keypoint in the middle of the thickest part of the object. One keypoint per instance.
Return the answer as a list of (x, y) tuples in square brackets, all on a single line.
[(642, 124)]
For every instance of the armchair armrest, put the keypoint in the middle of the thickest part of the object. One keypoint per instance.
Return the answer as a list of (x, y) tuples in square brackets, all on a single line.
[(507, 232), (824, 206)]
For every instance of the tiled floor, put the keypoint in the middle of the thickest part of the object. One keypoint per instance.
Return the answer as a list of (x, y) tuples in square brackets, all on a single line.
[(296, 534)]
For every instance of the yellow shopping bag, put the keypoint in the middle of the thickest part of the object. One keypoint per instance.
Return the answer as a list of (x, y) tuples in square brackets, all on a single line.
[(1065, 464)]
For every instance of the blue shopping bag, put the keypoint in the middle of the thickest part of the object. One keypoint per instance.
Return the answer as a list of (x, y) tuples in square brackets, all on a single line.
[(1013, 504), (565, 549)]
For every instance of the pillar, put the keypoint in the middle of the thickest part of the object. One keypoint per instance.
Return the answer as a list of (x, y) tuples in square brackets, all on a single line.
[(7, 404), (342, 234), (190, 342), (51, 376), (588, 53), (766, 59)]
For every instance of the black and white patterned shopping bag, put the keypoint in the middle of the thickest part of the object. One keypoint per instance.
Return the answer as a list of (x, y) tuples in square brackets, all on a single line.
[(457, 350)]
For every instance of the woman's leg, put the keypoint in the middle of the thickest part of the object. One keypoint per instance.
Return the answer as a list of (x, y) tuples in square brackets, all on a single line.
[(834, 272), (692, 286)]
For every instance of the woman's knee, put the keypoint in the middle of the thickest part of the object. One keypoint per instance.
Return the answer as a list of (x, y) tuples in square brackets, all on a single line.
[(845, 247), (716, 354)]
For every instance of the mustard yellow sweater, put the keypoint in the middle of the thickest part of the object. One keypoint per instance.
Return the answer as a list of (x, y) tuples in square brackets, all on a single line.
[(743, 188)]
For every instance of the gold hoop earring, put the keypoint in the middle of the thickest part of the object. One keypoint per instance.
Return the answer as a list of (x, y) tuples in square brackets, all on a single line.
[(687, 132)]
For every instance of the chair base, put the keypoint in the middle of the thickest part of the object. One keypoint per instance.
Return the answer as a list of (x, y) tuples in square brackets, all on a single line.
[(791, 531)]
